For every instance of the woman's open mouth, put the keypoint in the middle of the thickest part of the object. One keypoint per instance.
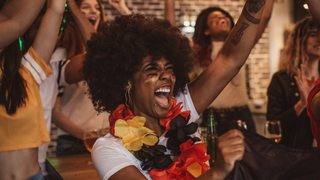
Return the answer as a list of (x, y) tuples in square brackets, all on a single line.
[(92, 21), (162, 96)]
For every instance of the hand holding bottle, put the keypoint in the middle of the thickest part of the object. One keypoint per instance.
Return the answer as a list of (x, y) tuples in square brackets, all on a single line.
[(230, 149)]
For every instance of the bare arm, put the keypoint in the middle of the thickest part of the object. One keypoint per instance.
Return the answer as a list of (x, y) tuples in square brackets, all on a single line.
[(72, 71), (120, 6), (232, 56), (63, 122), (47, 35), (314, 6), (169, 12), (266, 15), (85, 27), (16, 16)]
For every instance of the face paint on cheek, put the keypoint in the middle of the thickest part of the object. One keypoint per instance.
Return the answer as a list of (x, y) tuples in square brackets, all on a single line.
[(151, 79), (173, 78)]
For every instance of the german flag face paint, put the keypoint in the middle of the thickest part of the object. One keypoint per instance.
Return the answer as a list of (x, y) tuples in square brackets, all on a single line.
[(152, 88), (151, 78)]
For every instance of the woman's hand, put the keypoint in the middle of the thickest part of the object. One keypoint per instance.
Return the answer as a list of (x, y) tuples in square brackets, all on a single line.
[(304, 88), (230, 150), (120, 6)]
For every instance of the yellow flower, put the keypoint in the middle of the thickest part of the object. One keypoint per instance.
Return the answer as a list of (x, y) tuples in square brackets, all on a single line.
[(195, 169), (134, 134)]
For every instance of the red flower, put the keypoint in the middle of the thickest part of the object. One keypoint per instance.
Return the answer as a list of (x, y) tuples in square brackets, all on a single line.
[(174, 111), (191, 156), (122, 112)]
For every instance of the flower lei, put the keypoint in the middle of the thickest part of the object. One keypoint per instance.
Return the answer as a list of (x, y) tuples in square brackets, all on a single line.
[(143, 143)]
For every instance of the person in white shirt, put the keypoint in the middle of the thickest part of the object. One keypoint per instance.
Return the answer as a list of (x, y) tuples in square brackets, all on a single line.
[(133, 68)]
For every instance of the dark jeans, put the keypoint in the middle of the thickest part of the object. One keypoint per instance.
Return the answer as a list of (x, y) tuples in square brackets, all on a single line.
[(69, 145), (224, 117)]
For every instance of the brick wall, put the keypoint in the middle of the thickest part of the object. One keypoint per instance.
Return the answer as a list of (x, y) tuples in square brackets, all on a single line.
[(257, 63)]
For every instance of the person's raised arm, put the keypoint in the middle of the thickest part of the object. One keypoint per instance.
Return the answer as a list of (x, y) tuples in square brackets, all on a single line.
[(47, 35), (120, 6), (85, 27), (232, 56), (16, 16), (266, 15), (314, 6), (169, 12), (72, 71)]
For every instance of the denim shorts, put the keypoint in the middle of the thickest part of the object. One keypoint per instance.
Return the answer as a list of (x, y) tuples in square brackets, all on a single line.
[(38, 176)]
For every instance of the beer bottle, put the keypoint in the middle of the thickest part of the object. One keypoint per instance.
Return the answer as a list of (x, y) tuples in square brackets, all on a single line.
[(212, 137)]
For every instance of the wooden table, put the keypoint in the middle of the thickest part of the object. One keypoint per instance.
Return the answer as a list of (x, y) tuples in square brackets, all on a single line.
[(71, 167)]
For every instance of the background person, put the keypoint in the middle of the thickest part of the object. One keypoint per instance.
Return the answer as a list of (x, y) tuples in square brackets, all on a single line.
[(22, 123), (59, 66), (287, 99), (73, 112), (212, 28)]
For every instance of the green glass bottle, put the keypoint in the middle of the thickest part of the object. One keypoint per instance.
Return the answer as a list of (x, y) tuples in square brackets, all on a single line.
[(212, 137)]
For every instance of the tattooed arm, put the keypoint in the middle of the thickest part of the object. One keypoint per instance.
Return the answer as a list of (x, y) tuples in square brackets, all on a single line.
[(232, 56)]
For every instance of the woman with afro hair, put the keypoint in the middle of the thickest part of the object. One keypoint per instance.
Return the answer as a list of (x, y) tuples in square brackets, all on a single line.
[(137, 69)]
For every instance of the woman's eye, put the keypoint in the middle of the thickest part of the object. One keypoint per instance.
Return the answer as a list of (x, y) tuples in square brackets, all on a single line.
[(313, 34), (152, 74), (151, 69), (170, 67)]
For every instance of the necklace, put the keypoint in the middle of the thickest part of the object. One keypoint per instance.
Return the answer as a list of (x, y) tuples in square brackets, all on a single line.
[(142, 142)]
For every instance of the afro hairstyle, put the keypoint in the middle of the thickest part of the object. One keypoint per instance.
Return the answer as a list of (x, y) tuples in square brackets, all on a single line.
[(116, 53)]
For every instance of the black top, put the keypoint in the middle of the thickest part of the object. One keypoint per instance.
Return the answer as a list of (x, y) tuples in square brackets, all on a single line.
[(283, 94)]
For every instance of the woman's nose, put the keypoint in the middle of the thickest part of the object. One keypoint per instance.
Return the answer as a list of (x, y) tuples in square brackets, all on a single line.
[(93, 10)]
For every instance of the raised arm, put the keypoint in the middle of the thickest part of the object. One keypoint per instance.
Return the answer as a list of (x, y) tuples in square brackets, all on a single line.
[(82, 22), (232, 56), (47, 35), (314, 6), (120, 6), (72, 71), (169, 12), (266, 15), (16, 16)]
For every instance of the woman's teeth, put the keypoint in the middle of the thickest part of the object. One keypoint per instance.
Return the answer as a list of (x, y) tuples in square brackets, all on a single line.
[(163, 90)]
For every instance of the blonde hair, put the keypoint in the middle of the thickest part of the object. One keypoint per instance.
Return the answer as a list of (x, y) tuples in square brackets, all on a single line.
[(295, 52), (71, 37)]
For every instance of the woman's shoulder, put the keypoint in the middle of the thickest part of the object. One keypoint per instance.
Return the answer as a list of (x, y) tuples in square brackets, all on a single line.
[(108, 141), (281, 75)]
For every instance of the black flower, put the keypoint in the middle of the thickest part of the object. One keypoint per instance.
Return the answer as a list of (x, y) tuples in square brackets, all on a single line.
[(180, 133), (153, 157)]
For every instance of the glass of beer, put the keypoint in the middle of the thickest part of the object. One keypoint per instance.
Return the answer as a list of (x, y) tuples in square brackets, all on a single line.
[(272, 130), (90, 137)]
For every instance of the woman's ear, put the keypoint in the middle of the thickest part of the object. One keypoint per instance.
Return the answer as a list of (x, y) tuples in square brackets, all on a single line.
[(128, 87)]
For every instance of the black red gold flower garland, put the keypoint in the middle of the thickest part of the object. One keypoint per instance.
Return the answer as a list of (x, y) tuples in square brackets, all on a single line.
[(143, 143)]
